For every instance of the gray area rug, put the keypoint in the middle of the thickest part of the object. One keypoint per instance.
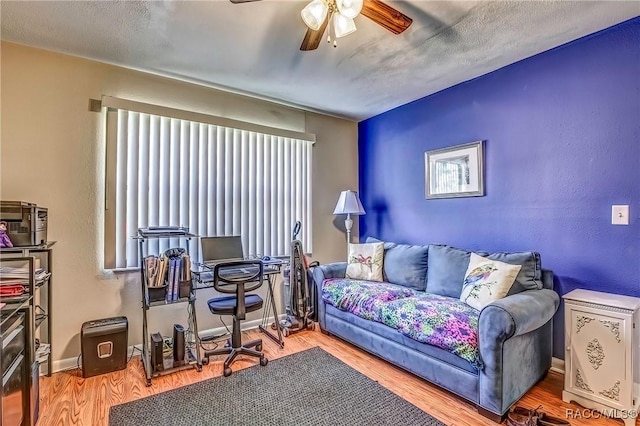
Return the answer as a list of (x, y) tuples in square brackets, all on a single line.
[(307, 388)]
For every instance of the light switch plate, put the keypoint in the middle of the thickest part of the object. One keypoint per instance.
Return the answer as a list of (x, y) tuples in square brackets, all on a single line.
[(620, 215)]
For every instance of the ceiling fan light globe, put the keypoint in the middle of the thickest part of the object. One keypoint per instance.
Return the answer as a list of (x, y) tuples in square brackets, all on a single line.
[(342, 25), (314, 14), (349, 8)]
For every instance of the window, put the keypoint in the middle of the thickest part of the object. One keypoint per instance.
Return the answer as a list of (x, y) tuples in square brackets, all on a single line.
[(215, 176)]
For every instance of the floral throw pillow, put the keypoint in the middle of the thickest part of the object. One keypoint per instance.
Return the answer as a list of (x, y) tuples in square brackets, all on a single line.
[(487, 280), (365, 261)]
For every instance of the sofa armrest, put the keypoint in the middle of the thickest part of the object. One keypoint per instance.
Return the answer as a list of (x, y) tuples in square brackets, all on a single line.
[(517, 314), (319, 274), (330, 270), (514, 338)]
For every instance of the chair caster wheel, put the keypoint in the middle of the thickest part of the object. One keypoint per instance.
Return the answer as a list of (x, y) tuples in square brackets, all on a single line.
[(227, 372), (205, 361), (259, 347), (263, 361)]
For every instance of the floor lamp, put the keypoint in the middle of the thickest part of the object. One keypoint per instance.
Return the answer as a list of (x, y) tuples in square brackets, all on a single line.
[(349, 204)]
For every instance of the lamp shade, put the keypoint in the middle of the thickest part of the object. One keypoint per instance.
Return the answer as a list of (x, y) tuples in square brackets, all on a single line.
[(349, 203), (342, 25), (349, 8), (314, 14)]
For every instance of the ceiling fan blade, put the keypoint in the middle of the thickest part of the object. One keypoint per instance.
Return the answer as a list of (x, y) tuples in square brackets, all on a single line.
[(312, 38), (241, 1), (385, 15)]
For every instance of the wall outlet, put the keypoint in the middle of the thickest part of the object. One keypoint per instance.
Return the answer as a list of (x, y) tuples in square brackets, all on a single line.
[(620, 215)]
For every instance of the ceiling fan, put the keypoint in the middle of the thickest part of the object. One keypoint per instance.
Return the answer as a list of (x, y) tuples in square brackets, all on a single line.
[(338, 15)]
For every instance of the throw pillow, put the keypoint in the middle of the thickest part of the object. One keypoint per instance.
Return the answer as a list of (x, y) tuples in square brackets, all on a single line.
[(365, 261), (487, 280)]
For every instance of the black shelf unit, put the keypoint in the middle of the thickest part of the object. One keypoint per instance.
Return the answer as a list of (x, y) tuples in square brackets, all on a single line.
[(194, 359), (17, 345), (39, 288)]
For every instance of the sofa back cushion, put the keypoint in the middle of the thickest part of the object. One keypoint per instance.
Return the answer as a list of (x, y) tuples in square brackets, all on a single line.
[(530, 275), (447, 267), (405, 264), (444, 267)]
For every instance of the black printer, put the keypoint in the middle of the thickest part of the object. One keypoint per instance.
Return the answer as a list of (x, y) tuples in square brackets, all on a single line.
[(26, 223)]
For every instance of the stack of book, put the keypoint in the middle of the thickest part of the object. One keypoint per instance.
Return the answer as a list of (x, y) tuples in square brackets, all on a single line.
[(169, 273)]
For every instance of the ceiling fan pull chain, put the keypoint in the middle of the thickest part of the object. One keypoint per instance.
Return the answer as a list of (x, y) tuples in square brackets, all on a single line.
[(331, 33)]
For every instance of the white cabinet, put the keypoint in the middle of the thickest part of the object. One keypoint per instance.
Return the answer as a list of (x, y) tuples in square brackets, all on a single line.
[(602, 358)]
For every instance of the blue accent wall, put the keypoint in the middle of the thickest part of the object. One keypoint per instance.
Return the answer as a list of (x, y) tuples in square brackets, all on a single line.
[(562, 144)]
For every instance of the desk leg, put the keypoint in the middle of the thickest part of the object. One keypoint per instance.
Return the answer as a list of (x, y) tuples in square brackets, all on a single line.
[(278, 339)]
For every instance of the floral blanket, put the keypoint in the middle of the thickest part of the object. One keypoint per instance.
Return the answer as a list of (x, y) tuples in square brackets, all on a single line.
[(441, 321), (362, 298)]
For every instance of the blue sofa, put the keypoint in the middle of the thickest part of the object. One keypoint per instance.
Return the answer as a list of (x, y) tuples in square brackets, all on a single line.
[(513, 334)]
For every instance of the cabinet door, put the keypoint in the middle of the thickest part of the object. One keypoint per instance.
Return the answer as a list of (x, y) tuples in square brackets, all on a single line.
[(600, 355)]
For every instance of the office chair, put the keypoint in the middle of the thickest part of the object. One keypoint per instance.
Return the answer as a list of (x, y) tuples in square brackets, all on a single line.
[(237, 305)]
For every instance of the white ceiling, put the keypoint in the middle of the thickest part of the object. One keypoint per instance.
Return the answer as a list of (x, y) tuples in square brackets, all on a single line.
[(253, 48)]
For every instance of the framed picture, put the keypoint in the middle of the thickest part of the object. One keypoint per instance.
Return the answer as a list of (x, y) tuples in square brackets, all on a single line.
[(456, 171)]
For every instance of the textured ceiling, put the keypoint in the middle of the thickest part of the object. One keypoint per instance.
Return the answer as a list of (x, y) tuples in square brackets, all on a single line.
[(253, 48)]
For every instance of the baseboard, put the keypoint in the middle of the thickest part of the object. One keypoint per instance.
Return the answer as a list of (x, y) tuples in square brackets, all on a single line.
[(72, 363), (64, 364), (557, 365)]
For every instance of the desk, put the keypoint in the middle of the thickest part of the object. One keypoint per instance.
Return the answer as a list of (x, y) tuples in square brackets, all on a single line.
[(202, 276)]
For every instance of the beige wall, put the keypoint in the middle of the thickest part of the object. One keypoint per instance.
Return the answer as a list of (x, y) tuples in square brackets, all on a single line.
[(52, 153)]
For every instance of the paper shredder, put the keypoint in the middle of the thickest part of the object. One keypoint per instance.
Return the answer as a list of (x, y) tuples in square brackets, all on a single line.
[(104, 345)]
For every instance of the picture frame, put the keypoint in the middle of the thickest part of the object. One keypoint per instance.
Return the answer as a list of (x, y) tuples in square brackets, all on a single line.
[(456, 171)]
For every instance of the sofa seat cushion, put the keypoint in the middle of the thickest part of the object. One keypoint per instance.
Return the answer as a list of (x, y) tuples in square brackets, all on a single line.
[(365, 329), (441, 321), (362, 298)]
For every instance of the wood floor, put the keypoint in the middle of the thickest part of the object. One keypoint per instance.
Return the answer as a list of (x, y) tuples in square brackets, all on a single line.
[(68, 399)]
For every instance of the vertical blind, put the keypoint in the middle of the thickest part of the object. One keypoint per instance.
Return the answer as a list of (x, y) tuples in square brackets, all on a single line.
[(215, 180)]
